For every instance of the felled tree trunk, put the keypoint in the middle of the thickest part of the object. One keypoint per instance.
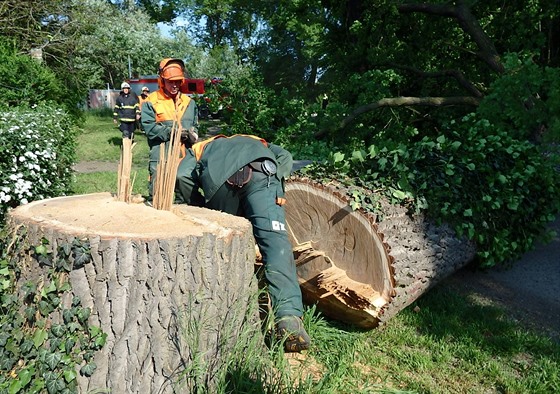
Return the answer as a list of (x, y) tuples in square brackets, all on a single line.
[(363, 268), (171, 289)]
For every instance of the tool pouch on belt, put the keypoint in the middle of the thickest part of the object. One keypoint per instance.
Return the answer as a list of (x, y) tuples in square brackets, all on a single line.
[(241, 177), (266, 166)]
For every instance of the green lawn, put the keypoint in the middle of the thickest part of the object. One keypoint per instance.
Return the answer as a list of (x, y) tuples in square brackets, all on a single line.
[(100, 141)]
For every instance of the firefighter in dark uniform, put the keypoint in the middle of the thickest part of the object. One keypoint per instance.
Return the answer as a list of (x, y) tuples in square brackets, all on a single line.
[(243, 175), (126, 111), (164, 108)]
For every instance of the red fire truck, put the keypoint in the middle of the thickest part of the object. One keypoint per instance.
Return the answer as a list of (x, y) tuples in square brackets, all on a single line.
[(192, 86)]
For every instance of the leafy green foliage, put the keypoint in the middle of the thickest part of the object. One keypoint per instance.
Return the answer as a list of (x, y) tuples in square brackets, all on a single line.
[(497, 191), (37, 150), (25, 81), (41, 348), (525, 101)]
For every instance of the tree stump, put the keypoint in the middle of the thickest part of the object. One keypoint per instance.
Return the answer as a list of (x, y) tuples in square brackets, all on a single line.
[(362, 268), (169, 288)]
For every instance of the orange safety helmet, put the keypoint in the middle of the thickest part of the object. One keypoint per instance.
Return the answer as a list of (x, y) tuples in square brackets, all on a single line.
[(172, 69)]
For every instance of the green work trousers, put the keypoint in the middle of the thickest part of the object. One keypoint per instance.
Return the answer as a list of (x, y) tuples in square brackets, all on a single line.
[(256, 201)]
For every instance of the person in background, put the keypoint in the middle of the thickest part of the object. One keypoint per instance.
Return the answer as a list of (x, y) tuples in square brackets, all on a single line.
[(126, 111), (143, 97), (243, 175), (164, 108)]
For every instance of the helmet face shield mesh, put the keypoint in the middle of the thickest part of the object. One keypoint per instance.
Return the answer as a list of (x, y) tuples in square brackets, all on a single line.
[(172, 72)]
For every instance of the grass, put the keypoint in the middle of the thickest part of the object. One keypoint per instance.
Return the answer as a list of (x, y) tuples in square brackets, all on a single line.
[(100, 141), (442, 343)]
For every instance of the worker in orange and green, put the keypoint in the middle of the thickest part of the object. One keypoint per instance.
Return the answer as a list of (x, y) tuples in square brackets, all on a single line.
[(164, 108), (243, 175)]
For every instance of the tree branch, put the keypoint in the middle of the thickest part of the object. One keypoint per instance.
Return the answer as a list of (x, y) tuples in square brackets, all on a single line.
[(468, 22), (458, 75), (404, 101)]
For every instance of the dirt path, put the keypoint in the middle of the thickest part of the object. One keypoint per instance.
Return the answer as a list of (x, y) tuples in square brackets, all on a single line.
[(529, 290)]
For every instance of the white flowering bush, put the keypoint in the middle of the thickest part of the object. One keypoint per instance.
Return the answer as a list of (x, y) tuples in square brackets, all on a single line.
[(37, 151)]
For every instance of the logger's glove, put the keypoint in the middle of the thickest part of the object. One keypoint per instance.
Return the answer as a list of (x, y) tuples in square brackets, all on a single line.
[(189, 137)]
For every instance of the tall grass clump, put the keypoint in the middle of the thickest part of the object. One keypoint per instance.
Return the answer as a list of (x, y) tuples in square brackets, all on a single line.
[(37, 151)]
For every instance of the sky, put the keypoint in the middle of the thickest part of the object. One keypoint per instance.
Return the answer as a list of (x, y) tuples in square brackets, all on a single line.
[(166, 28)]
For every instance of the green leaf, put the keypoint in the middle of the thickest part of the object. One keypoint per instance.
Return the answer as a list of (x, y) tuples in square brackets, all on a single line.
[(29, 313), (52, 359), (26, 346), (95, 331), (58, 330), (39, 337), (49, 289), (468, 213), (45, 307), (88, 369), (54, 384), (70, 375), (358, 155), (399, 194), (100, 341), (66, 248), (83, 314), (15, 386), (25, 375), (382, 162), (338, 157), (68, 315), (373, 150), (82, 256), (41, 250), (6, 363), (4, 336), (69, 345), (441, 139)]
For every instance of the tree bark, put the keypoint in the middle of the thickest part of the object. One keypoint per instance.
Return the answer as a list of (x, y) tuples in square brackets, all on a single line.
[(171, 289), (363, 268)]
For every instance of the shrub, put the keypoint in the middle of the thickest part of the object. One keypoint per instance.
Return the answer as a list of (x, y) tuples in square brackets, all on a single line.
[(37, 151), (25, 81)]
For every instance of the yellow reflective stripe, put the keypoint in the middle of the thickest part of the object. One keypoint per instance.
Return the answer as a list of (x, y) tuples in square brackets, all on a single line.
[(198, 148)]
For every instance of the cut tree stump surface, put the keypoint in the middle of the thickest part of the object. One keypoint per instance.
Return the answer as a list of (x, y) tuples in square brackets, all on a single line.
[(101, 214)]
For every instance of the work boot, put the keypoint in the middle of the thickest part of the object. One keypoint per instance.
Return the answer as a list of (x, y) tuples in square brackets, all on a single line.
[(290, 330)]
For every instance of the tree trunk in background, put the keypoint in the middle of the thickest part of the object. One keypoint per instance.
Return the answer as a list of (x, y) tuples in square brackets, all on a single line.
[(361, 268), (171, 289)]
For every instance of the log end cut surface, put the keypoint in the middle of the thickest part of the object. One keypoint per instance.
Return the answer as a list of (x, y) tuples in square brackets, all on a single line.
[(103, 215), (342, 262)]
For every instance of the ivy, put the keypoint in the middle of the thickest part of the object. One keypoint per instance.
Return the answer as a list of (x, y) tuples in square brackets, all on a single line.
[(38, 351)]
